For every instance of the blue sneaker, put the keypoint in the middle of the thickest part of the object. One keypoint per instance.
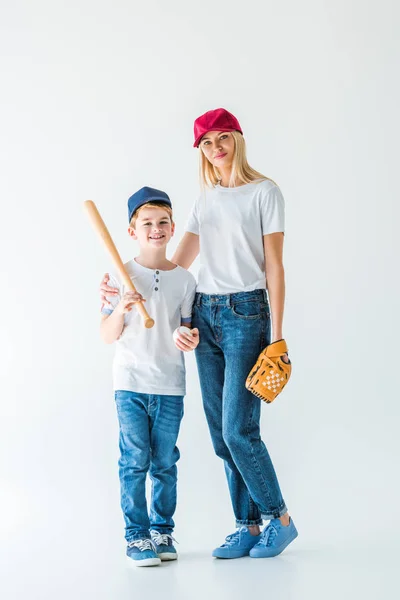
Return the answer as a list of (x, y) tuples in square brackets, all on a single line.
[(164, 543), (142, 553), (274, 539), (237, 544)]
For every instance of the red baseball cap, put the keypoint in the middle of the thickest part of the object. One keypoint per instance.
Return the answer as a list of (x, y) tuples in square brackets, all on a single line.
[(214, 120)]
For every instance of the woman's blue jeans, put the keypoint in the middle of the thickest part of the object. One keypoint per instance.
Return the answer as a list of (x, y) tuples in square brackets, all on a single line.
[(234, 328), (148, 431)]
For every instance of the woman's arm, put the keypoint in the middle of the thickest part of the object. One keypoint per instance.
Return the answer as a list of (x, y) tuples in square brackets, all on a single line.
[(187, 250), (275, 274)]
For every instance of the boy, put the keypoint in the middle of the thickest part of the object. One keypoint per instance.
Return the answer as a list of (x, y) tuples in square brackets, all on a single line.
[(149, 377)]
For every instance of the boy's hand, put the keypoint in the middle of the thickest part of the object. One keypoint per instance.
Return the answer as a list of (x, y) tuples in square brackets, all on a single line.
[(105, 290), (187, 342), (127, 301)]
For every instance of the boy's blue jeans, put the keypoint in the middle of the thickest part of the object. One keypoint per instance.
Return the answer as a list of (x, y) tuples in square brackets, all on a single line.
[(233, 330), (149, 427)]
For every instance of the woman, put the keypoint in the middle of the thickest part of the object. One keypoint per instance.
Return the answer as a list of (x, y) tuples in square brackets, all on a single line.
[(237, 225)]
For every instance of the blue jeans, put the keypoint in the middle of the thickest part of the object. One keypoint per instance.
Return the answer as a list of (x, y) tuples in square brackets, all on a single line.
[(234, 328), (148, 430)]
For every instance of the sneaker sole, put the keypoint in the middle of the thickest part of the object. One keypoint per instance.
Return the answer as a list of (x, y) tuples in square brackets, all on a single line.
[(168, 556), (279, 551), (145, 562), (232, 554)]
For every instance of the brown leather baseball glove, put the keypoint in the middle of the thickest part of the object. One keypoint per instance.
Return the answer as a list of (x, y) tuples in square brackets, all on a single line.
[(270, 374)]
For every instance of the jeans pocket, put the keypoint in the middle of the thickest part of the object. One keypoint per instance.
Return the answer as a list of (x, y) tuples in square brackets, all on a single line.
[(250, 309), (121, 395)]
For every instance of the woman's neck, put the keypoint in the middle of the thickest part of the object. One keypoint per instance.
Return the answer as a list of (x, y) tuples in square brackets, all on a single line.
[(225, 182), (226, 177)]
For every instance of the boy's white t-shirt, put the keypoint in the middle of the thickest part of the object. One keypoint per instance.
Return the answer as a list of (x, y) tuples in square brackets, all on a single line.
[(231, 223), (147, 360)]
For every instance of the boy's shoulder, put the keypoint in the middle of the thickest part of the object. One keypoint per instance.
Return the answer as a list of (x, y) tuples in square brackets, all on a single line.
[(185, 274), (131, 267), (115, 278), (182, 279)]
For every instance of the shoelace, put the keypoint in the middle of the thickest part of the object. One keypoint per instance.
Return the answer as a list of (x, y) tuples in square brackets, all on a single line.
[(268, 536), (145, 544), (162, 539), (231, 539)]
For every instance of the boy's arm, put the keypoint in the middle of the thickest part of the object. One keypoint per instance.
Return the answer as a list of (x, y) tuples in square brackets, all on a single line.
[(187, 342), (111, 326), (183, 341)]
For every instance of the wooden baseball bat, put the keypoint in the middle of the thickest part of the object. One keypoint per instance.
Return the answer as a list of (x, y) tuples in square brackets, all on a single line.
[(103, 232)]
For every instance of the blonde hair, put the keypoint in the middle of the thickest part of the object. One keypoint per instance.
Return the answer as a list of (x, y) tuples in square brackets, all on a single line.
[(241, 170), (165, 207)]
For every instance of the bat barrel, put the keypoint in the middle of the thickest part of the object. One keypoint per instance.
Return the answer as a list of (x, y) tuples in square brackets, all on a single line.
[(100, 227)]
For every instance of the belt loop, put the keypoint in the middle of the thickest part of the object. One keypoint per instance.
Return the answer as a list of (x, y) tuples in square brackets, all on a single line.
[(265, 295), (198, 299), (229, 300)]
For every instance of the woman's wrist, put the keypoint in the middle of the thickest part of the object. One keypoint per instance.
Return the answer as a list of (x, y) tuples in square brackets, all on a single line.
[(276, 337)]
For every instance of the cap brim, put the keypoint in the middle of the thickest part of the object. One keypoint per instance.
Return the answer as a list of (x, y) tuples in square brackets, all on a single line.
[(156, 201)]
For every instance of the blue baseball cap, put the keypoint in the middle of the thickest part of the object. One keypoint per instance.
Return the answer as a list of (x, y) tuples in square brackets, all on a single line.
[(144, 195)]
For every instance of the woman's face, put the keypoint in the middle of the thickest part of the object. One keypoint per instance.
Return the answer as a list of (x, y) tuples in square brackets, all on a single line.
[(219, 148)]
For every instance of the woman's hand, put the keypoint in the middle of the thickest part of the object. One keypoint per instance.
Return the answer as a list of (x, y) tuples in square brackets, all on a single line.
[(284, 357), (187, 342), (105, 290)]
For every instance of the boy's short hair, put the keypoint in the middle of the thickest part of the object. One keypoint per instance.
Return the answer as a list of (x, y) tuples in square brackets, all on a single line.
[(143, 196), (165, 207)]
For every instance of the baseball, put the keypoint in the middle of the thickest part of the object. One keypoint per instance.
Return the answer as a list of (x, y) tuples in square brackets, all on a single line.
[(181, 329)]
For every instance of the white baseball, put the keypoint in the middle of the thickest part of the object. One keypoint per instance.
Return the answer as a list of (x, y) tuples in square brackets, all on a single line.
[(181, 329)]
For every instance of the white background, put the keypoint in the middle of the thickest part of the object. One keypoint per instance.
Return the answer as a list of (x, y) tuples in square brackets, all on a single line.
[(98, 99)]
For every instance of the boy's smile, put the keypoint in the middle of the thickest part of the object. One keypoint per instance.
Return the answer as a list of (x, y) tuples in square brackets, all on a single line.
[(153, 227)]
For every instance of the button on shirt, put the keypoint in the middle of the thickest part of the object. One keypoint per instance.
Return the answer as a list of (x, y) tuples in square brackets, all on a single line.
[(147, 360)]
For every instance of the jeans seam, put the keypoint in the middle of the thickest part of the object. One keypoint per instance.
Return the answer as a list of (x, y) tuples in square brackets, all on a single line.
[(255, 461), (265, 338), (252, 504)]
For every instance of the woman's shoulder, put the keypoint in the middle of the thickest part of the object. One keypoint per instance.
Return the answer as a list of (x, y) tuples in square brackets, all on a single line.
[(269, 191), (266, 185)]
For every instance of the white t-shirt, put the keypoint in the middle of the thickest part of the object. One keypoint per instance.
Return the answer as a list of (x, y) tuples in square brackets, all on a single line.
[(231, 223), (147, 360)]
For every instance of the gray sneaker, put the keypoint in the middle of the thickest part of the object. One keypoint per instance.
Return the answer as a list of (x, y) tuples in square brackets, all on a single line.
[(141, 553), (164, 545)]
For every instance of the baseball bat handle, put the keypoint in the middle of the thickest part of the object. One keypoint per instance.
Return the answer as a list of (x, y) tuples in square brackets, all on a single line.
[(100, 227)]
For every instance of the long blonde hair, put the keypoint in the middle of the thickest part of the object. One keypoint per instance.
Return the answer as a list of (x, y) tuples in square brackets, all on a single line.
[(241, 170)]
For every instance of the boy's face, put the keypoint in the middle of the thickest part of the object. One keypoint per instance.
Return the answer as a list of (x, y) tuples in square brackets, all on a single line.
[(153, 228)]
